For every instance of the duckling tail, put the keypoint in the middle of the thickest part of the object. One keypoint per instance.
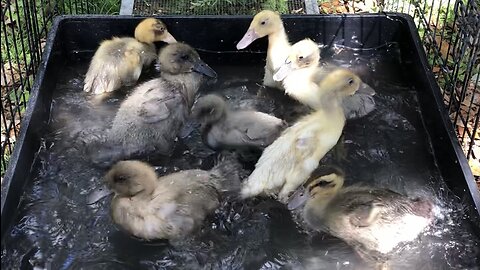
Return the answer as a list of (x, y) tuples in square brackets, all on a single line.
[(230, 172)]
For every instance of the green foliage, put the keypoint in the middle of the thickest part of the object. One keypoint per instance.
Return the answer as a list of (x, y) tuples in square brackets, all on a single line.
[(276, 5), (232, 7)]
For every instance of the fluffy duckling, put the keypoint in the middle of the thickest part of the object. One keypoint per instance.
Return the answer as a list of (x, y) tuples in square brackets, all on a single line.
[(223, 128), (268, 23), (169, 207), (374, 221), (152, 116), (288, 161), (119, 61), (296, 77), (297, 71)]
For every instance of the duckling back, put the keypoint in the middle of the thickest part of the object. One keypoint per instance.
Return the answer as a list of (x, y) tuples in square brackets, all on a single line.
[(150, 118), (289, 160), (374, 220), (224, 128), (117, 62)]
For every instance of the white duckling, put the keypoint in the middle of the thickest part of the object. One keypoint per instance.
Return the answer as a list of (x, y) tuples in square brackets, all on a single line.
[(373, 221), (119, 61), (224, 128), (296, 76), (288, 161), (169, 207), (268, 23)]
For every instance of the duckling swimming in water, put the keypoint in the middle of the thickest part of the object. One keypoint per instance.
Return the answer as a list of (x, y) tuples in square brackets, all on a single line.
[(268, 23), (169, 207), (288, 161), (150, 119), (296, 77), (373, 221), (223, 128), (119, 61)]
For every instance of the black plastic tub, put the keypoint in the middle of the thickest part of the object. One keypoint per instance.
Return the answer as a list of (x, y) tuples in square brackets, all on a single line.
[(215, 38)]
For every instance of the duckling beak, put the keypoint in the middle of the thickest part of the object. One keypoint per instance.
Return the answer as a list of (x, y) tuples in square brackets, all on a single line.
[(283, 71), (168, 38), (98, 194), (365, 89), (202, 68), (247, 39), (298, 198)]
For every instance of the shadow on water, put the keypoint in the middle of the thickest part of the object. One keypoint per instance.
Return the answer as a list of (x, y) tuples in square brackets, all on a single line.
[(56, 229)]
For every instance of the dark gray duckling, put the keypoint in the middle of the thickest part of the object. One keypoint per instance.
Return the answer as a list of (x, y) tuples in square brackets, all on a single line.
[(171, 206), (373, 221), (150, 119), (223, 128)]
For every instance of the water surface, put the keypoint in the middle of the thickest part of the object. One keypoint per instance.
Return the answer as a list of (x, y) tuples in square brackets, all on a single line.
[(389, 148)]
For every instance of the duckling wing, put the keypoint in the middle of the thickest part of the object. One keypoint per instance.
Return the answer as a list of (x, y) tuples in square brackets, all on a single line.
[(161, 105), (116, 62), (253, 128), (365, 206), (281, 162)]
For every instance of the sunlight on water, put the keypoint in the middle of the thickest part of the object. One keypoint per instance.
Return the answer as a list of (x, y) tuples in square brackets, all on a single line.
[(56, 229)]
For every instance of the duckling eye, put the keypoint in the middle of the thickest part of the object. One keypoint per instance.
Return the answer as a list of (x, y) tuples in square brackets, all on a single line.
[(120, 179), (300, 57), (350, 81), (184, 57), (263, 22)]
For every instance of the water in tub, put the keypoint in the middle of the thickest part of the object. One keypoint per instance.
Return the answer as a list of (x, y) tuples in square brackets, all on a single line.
[(389, 148)]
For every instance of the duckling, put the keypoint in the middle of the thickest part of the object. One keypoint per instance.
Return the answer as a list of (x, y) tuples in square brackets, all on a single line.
[(296, 77), (119, 61), (373, 221), (223, 128), (169, 207), (289, 160), (297, 71), (150, 119), (268, 23)]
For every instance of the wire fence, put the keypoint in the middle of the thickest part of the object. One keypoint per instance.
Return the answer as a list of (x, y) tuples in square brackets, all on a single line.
[(449, 30)]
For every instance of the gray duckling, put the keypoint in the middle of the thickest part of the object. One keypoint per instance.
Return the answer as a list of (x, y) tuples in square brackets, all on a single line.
[(150, 119), (119, 61), (224, 128), (168, 207), (373, 221)]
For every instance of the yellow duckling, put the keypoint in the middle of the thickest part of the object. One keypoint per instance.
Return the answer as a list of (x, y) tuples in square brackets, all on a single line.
[(119, 61), (169, 207), (288, 161), (374, 221), (296, 76), (268, 23)]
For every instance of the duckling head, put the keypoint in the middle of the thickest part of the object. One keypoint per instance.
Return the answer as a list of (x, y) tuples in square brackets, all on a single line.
[(150, 30), (129, 178), (341, 82), (209, 109), (178, 58), (263, 24), (303, 54), (324, 183)]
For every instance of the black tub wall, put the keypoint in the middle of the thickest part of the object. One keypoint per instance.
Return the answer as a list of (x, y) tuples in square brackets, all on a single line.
[(32, 128), (76, 34)]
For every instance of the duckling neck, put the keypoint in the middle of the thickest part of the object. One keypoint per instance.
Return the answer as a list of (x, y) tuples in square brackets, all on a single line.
[(189, 83), (331, 103), (278, 48), (315, 210)]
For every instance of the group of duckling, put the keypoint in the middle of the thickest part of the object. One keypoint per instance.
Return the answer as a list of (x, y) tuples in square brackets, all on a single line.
[(151, 117)]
